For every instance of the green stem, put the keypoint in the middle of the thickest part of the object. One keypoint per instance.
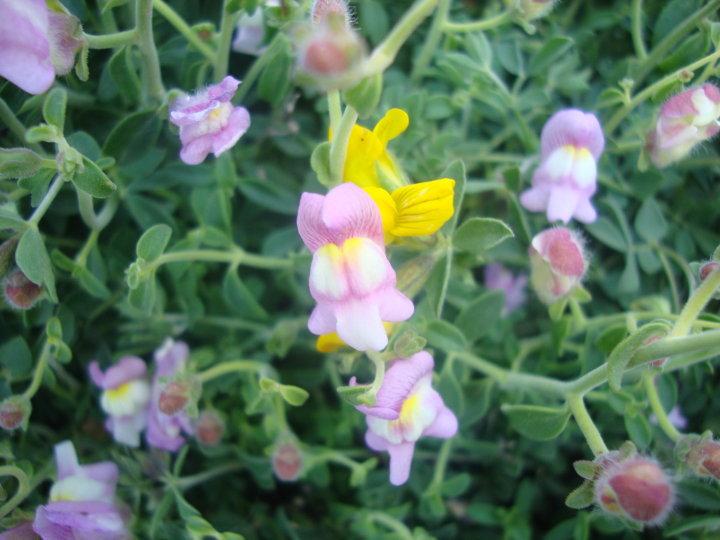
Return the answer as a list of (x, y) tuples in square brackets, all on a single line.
[(379, 364), (233, 366), (446, 278), (648, 379), (637, 30), (152, 78), (395, 525), (441, 463), (171, 16), (671, 279), (431, 41), (334, 109), (339, 144), (256, 69), (477, 26), (222, 57), (90, 243), (111, 41), (16, 127), (47, 200), (696, 303), (586, 424), (21, 492), (31, 390), (234, 256), (187, 482)]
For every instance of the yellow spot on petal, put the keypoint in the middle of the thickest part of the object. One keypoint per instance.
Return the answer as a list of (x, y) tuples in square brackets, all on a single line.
[(120, 392), (330, 343), (409, 406)]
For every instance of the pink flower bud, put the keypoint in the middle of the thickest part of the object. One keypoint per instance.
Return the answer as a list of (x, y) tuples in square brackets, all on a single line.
[(329, 11), (330, 50), (287, 462), (209, 428), (685, 120), (174, 397), (637, 489), (19, 291), (704, 459), (558, 263), (14, 413), (707, 268)]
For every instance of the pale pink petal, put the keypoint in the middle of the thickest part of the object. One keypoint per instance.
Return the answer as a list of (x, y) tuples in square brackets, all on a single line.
[(561, 248), (237, 125), (66, 461), (21, 532), (572, 127), (96, 374), (322, 320), (375, 441), (126, 369), (535, 199), (562, 204), (196, 151), (444, 426), (64, 43), (350, 212), (394, 305), (401, 456), (400, 378), (360, 326), (312, 229), (585, 211)]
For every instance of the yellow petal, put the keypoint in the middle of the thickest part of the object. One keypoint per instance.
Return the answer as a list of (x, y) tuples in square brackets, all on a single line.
[(364, 149), (391, 125), (424, 207), (388, 210), (329, 343)]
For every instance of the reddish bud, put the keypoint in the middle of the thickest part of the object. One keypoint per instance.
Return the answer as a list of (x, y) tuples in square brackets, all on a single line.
[(707, 268), (637, 489), (704, 459), (19, 291), (209, 428), (14, 413), (329, 51), (174, 397), (287, 462), (558, 263), (325, 57), (330, 10)]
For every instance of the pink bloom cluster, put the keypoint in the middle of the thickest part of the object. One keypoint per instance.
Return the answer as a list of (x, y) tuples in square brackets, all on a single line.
[(571, 144), (208, 121)]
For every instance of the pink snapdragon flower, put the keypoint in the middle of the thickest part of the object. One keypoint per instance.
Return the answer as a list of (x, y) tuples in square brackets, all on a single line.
[(125, 396), (350, 278), (557, 263), (165, 431), (685, 120), (406, 408), (36, 43), (571, 144), (499, 278), (82, 501), (208, 121)]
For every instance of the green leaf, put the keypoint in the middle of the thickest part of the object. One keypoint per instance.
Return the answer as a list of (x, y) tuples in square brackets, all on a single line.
[(608, 233), (293, 395), (650, 223), (586, 469), (623, 353), (42, 133), (320, 163), (699, 494), (638, 428), (54, 107), (19, 163), (275, 79), (144, 295), (581, 497), (92, 180), (537, 422), (456, 171), (124, 74), (9, 218), (32, 258), (153, 242), (239, 298), (133, 137), (445, 336), (477, 235), (473, 319), (16, 358), (456, 485), (365, 96), (549, 53), (704, 525)]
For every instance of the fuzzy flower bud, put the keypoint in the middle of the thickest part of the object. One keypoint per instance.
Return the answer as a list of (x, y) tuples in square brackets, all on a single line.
[(19, 291), (557, 262), (287, 462), (707, 268), (531, 9), (324, 10), (685, 120), (14, 413), (174, 397), (704, 458), (637, 489), (209, 428)]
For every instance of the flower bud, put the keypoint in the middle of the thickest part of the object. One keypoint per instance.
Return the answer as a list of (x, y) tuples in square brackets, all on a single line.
[(685, 120), (7, 254), (704, 458), (330, 51), (531, 9), (19, 291), (637, 489), (707, 268), (287, 462), (174, 397), (209, 428), (557, 262), (14, 413), (329, 11)]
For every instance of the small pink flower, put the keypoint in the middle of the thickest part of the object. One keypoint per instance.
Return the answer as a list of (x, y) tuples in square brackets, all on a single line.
[(571, 144), (166, 431), (19, 292), (124, 399), (209, 122), (499, 278), (287, 461), (406, 408), (557, 263), (684, 121), (36, 43), (350, 278)]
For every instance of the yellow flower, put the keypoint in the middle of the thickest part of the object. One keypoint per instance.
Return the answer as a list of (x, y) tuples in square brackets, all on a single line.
[(329, 343), (415, 210), (368, 159)]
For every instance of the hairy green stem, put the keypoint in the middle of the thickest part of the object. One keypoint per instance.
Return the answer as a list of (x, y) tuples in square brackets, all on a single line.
[(334, 109), (696, 303), (477, 26), (637, 29), (153, 89), (222, 56), (252, 74), (38, 373), (586, 424), (47, 200), (431, 41), (339, 144), (187, 482), (379, 364), (111, 41), (395, 525), (446, 278), (233, 366), (21, 492), (16, 127), (171, 16), (648, 379), (234, 256)]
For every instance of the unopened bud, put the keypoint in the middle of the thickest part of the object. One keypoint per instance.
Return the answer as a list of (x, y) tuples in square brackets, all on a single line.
[(330, 51), (329, 11), (174, 397), (287, 462), (557, 262), (708, 268), (704, 459), (7, 255), (637, 489), (531, 9), (14, 413), (19, 291), (209, 428)]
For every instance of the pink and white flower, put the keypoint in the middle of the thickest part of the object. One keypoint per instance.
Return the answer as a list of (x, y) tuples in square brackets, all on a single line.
[(685, 120), (406, 408), (557, 263), (499, 278), (82, 501), (125, 396), (571, 144), (165, 431), (350, 278), (209, 122)]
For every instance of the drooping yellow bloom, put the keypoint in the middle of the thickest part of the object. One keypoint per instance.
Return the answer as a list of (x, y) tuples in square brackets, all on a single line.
[(329, 343), (368, 159), (415, 210)]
